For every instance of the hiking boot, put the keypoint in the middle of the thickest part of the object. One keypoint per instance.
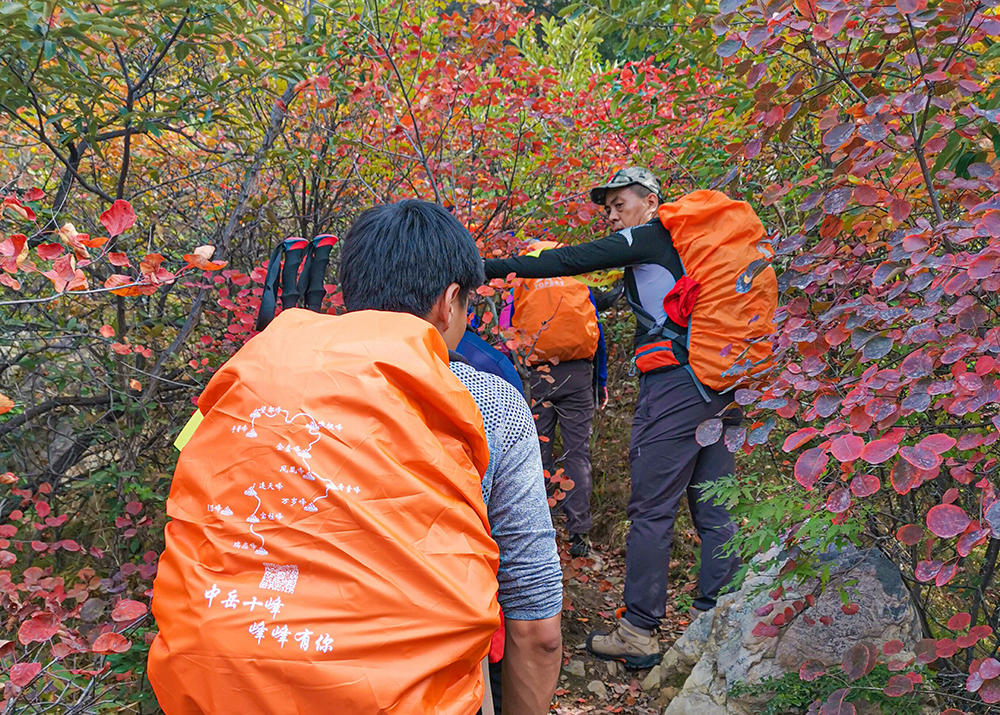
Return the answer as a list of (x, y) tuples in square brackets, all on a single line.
[(635, 647), (579, 545)]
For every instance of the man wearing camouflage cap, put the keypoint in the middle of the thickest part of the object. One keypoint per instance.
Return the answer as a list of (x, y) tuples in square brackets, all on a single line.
[(666, 460)]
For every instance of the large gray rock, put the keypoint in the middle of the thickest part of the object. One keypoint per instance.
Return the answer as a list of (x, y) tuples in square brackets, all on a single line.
[(720, 649)]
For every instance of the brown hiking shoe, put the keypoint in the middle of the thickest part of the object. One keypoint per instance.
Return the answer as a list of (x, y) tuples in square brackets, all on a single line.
[(633, 646)]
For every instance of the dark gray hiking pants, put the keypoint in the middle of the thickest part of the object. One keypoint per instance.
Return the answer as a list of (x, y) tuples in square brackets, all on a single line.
[(667, 462), (568, 399)]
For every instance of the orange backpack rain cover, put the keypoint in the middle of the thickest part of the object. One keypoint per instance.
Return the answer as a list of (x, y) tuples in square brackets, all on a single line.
[(557, 315), (717, 240), (329, 550)]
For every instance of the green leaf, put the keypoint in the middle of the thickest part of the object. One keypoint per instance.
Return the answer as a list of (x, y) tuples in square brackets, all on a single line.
[(11, 8)]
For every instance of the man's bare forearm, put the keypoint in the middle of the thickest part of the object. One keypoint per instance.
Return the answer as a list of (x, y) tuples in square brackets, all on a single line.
[(531, 663)]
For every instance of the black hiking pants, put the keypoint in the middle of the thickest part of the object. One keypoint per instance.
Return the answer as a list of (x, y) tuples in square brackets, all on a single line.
[(564, 395), (666, 463)]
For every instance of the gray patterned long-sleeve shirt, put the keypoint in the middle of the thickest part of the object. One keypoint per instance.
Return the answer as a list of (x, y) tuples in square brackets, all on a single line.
[(530, 577)]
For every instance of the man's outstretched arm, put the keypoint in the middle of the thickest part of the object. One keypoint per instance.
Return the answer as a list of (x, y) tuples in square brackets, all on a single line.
[(531, 663), (627, 248)]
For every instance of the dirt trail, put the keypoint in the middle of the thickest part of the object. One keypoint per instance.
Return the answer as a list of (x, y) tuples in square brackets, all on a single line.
[(593, 590)]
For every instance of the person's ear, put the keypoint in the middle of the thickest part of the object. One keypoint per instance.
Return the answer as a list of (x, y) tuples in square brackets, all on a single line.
[(454, 308)]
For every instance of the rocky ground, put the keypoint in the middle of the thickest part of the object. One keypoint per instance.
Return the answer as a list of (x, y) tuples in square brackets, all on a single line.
[(593, 590)]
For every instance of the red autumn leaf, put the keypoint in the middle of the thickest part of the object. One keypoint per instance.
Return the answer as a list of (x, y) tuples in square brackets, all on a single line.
[(839, 501), (982, 267), (892, 647), (107, 331), (879, 451), (838, 135), (859, 660), (23, 673), (765, 630), (926, 651), (60, 651), (898, 686), (971, 539), (920, 457), (947, 520), (17, 207), (946, 648), (904, 477), (959, 622), (864, 194), (989, 669), (807, 8), (938, 443), (150, 263), (118, 259), (910, 535), (203, 264), (133, 507), (980, 632), (61, 273), (809, 466), (38, 628), (111, 642), (835, 704), (49, 251), (847, 448), (899, 209), (6, 404), (864, 485), (128, 610), (11, 283), (926, 570), (946, 574), (13, 245), (34, 194), (117, 282), (990, 692), (811, 670), (850, 609), (799, 438), (119, 218), (917, 364)]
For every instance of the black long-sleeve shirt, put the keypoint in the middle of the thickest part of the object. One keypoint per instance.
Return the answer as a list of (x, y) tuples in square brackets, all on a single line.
[(646, 252)]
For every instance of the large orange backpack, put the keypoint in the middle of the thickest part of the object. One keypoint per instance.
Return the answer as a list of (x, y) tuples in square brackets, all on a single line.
[(328, 549), (557, 316), (719, 244)]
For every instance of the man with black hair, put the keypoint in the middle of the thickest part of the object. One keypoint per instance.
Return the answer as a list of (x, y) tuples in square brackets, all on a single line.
[(666, 460), (414, 257)]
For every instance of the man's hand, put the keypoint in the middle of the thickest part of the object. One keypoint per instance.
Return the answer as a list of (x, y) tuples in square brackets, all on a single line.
[(531, 662), (604, 397)]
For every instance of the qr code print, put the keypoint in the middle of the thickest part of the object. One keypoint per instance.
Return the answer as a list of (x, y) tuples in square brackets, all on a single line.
[(280, 578)]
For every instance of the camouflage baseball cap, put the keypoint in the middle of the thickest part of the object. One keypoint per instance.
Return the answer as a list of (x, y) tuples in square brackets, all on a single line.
[(626, 177)]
